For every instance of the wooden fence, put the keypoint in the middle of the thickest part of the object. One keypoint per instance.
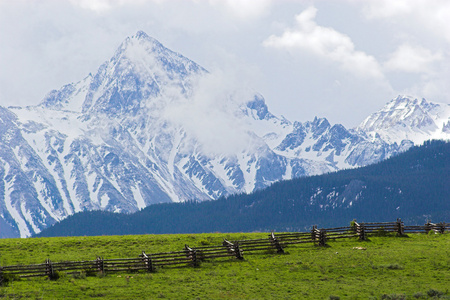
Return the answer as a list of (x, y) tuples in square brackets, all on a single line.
[(231, 249)]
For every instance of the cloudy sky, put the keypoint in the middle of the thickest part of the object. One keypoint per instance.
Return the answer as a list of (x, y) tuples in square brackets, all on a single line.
[(337, 59)]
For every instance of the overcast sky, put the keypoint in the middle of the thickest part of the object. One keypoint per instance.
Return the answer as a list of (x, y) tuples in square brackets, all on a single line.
[(336, 59)]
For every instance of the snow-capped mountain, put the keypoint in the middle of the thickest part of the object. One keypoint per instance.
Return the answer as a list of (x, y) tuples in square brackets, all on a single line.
[(408, 118), (152, 126)]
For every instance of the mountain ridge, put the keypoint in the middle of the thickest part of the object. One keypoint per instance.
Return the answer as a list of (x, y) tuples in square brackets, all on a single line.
[(151, 126), (411, 186)]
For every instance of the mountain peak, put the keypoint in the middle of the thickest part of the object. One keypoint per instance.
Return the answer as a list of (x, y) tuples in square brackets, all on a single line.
[(140, 69), (407, 118), (144, 40), (144, 37), (140, 43), (403, 101), (141, 35)]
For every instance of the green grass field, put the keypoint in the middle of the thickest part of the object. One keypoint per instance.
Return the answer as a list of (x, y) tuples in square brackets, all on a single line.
[(414, 267)]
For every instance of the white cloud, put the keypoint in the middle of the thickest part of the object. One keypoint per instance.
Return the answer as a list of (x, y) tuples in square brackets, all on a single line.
[(388, 8), (431, 82), (327, 43), (421, 32), (101, 6), (415, 59), (244, 8), (240, 8), (211, 113), (431, 15), (94, 5)]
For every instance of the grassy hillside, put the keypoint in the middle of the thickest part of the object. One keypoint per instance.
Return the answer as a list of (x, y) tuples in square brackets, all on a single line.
[(414, 267)]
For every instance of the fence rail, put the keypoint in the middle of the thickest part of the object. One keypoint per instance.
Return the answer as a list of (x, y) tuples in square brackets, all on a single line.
[(229, 249)]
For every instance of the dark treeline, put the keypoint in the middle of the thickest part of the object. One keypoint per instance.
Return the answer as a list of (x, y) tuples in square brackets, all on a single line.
[(414, 186)]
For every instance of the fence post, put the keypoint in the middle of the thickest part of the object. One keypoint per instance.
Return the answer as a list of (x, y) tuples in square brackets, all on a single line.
[(238, 251), (427, 227), (148, 262), (276, 243), (400, 227), (233, 248), (191, 254), (322, 237), (100, 264), (313, 233), (441, 227), (229, 245), (194, 257), (49, 269), (361, 231)]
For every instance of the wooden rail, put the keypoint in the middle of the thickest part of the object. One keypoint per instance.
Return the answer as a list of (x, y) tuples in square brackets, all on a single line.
[(192, 256)]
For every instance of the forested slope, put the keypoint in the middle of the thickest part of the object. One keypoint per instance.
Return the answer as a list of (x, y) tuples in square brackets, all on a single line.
[(413, 186)]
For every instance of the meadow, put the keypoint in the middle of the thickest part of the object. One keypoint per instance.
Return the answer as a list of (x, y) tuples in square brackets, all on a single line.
[(384, 267)]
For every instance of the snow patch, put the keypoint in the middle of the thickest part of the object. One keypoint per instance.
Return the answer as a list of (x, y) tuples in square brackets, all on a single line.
[(27, 215), (104, 200), (15, 214), (140, 202)]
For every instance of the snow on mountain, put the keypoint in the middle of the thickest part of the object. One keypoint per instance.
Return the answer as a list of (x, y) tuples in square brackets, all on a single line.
[(152, 126), (408, 118)]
